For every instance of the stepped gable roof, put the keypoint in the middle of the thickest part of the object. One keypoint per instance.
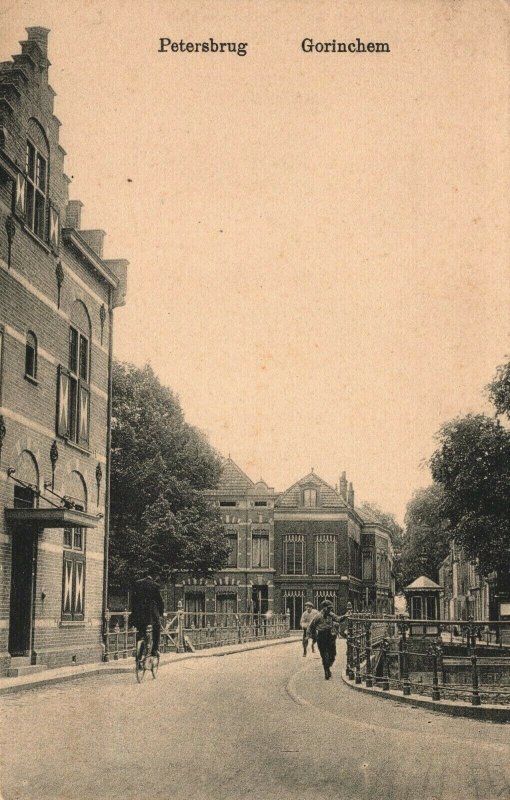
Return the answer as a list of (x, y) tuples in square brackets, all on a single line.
[(422, 583), (233, 479), (329, 497)]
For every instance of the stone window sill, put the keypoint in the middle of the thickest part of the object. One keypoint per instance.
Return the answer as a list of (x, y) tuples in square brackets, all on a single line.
[(76, 446), (36, 238)]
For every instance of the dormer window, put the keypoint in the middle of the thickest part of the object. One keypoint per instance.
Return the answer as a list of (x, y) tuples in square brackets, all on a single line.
[(310, 498)]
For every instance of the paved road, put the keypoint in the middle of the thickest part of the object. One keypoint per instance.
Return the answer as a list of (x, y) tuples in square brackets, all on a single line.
[(263, 725)]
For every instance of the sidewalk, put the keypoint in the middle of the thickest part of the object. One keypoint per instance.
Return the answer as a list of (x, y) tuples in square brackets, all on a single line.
[(60, 674)]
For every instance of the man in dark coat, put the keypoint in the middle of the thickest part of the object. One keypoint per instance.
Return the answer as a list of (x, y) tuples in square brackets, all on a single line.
[(324, 629), (147, 608)]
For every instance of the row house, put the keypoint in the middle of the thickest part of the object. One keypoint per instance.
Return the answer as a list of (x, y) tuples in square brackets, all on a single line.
[(326, 548), (247, 582), (309, 542), (57, 296)]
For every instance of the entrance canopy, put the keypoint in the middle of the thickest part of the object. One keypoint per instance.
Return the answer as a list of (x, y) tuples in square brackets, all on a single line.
[(51, 517)]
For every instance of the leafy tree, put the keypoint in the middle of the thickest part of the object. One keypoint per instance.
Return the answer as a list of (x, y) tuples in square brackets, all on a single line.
[(472, 465), (426, 539), (159, 518), (499, 389)]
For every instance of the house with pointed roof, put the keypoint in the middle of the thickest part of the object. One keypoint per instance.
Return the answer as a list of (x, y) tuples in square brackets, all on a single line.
[(309, 542), (247, 582), (327, 548)]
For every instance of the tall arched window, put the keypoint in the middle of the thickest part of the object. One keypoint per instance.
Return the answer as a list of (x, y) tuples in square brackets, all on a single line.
[(31, 356), (74, 380)]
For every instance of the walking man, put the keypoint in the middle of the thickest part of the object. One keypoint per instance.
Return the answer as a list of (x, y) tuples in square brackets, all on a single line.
[(324, 628), (306, 617)]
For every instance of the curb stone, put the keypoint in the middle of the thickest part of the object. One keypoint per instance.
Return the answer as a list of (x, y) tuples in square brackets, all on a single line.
[(489, 713), (127, 665)]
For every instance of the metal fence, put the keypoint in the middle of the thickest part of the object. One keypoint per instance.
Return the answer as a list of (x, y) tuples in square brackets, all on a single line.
[(455, 659), (188, 631)]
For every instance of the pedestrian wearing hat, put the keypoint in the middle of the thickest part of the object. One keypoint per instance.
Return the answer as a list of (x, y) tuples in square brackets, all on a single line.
[(324, 628), (306, 617)]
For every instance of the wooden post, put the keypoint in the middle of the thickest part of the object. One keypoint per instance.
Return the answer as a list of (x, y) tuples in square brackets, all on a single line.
[(180, 628)]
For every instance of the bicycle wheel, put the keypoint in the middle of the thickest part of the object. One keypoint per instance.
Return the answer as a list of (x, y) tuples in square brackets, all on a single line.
[(154, 665), (140, 659)]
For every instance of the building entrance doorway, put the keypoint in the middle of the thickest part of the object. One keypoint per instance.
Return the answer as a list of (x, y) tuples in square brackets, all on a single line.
[(294, 604), (23, 569), (259, 599)]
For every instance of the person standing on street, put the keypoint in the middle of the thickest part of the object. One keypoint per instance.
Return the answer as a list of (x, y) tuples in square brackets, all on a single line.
[(324, 628), (306, 617), (146, 609)]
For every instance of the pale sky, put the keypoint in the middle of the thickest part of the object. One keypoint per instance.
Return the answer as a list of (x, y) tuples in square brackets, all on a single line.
[(318, 243)]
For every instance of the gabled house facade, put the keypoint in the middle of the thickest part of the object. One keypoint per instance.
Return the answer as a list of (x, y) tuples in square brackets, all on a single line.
[(326, 548), (57, 296)]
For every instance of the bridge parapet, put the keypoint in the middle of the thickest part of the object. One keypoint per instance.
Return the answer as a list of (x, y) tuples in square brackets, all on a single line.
[(454, 659)]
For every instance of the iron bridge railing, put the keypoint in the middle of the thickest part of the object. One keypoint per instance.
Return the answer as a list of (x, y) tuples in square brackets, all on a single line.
[(445, 659)]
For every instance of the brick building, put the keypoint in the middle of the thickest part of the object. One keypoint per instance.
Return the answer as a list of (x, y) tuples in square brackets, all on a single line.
[(309, 542), (246, 584), (325, 547), (57, 295)]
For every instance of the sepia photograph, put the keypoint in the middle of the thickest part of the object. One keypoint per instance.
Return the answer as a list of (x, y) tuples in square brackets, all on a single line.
[(254, 400)]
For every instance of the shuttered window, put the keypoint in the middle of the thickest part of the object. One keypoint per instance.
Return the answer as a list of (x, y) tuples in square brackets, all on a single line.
[(73, 404), (73, 577)]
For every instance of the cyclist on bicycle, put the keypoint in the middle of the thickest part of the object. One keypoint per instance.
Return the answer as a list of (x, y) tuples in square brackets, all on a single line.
[(146, 609)]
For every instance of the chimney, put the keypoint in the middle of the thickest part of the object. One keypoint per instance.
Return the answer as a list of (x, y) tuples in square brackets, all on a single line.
[(350, 496), (40, 36), (343, 486), (73, 214), (94, 240)]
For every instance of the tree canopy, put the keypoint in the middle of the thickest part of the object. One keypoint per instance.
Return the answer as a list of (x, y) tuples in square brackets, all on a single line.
[(472, 465), (160, 520), (470, 498), (499, 389)]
